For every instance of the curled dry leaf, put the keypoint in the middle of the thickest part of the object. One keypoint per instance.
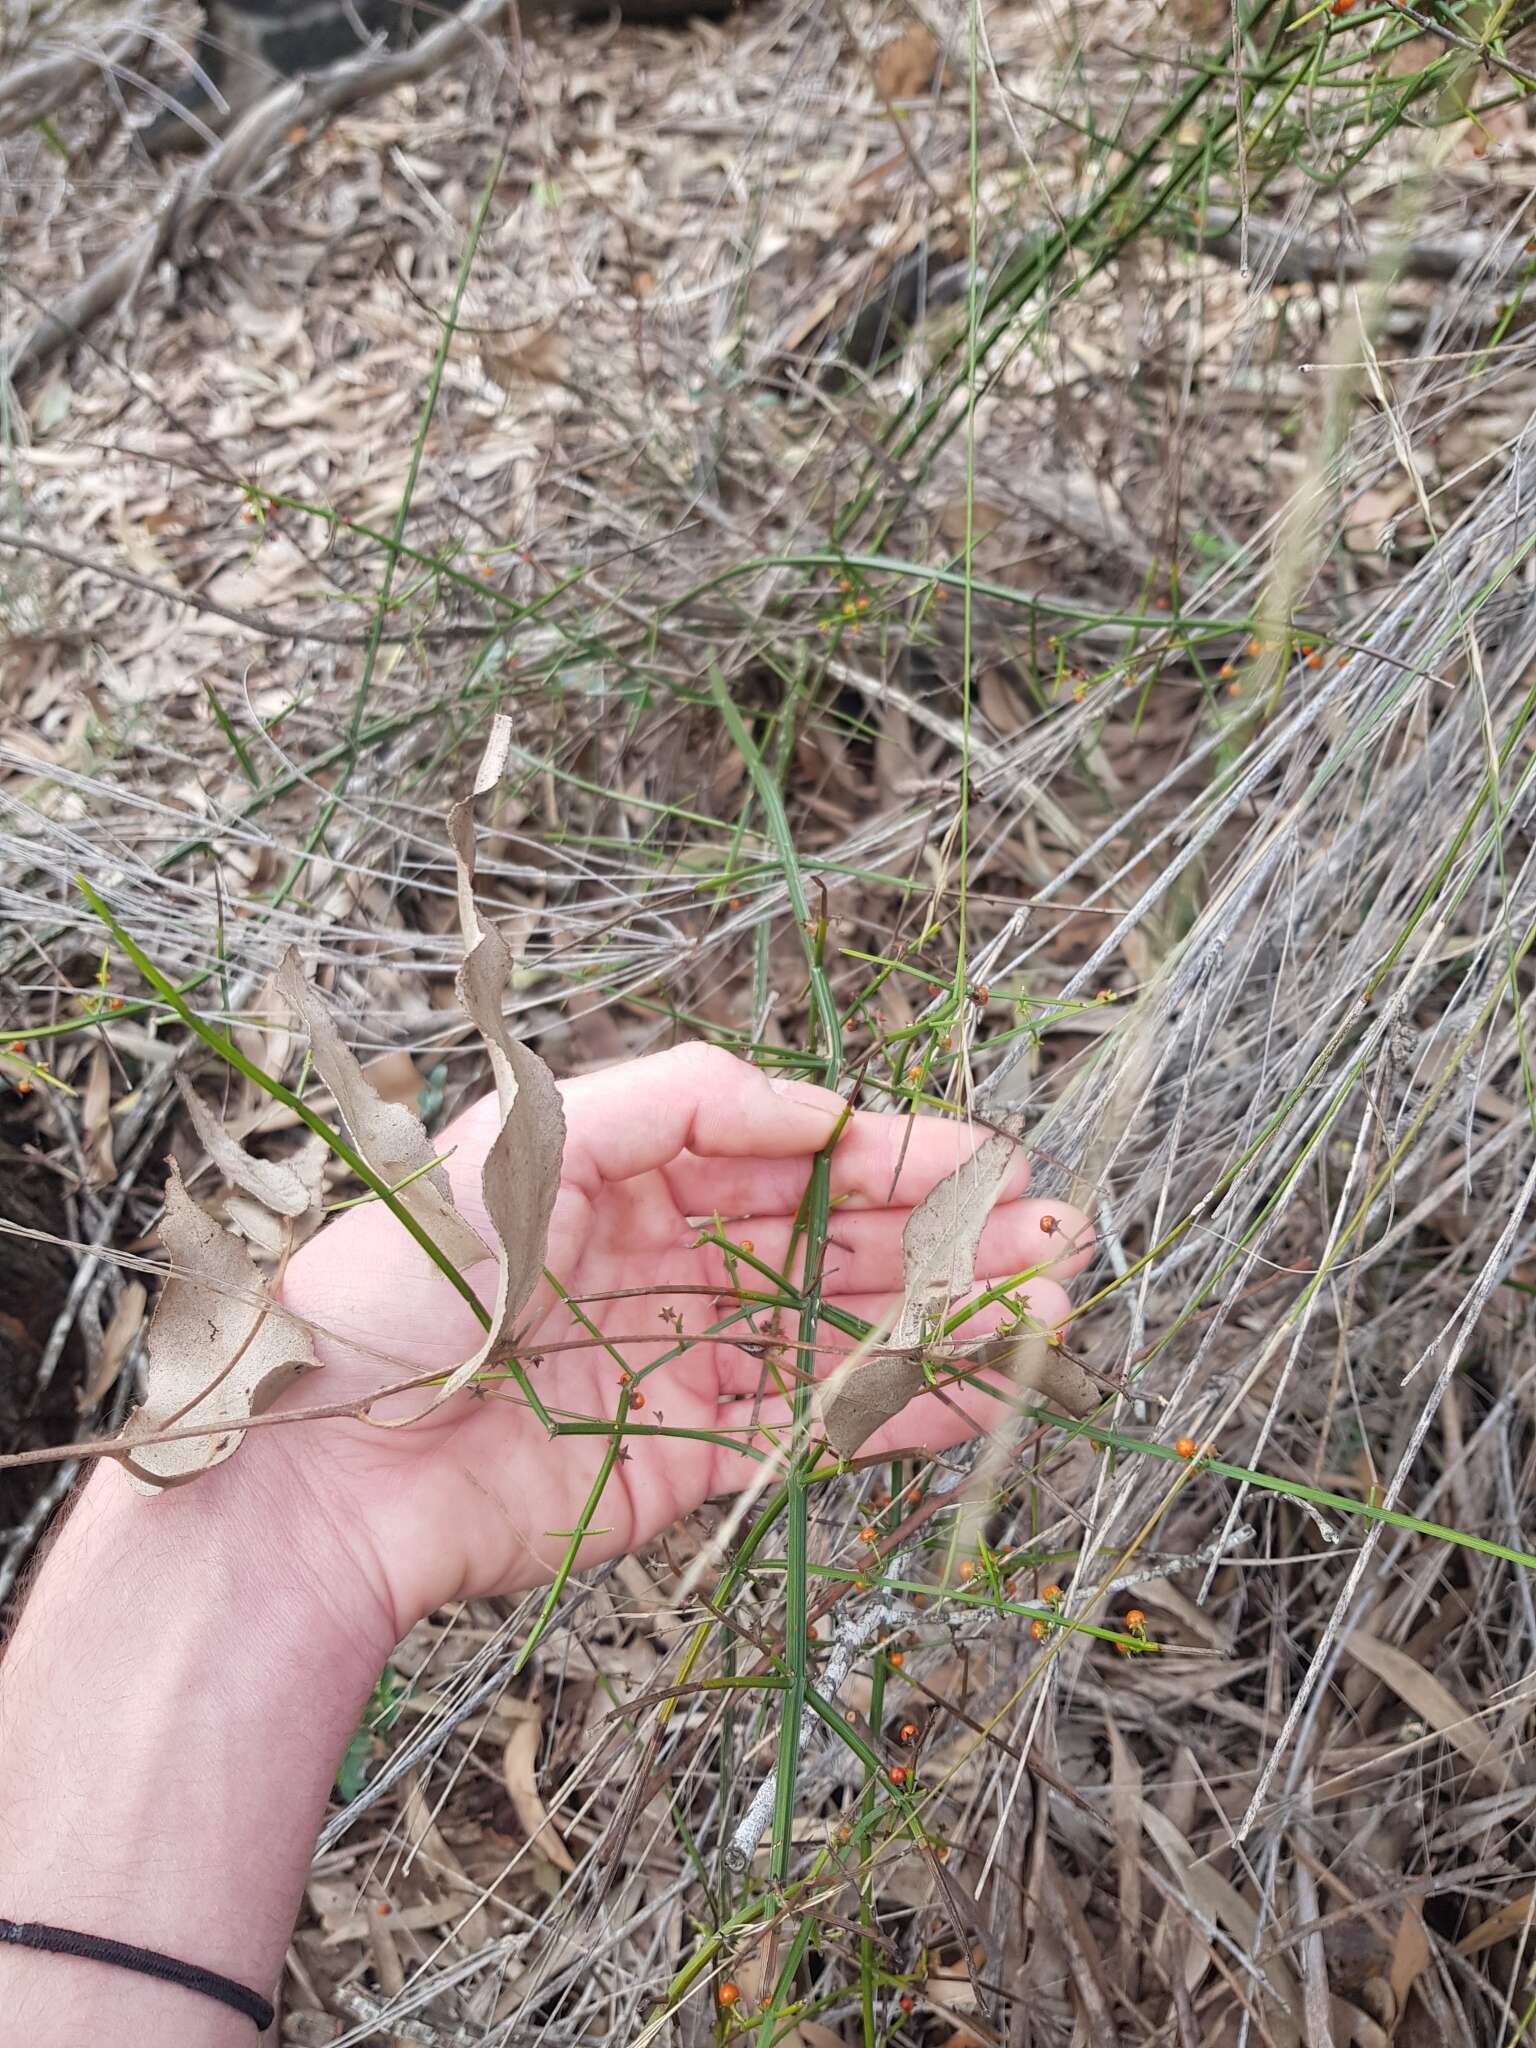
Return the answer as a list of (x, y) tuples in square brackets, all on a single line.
[(1209, 1897), (938, 1263), (860, 1399), (218, 1351), (518, 1760), (281, 1186), (116, 1342), (389, 1135), (943, 1233), (96, 1121), (521, 1174)]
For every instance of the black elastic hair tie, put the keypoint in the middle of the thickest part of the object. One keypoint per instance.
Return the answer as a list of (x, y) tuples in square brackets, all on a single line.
[(92, 1948)]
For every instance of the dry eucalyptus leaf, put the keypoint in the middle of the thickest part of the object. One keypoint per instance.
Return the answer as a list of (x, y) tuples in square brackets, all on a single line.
[(287, 1187), (904, 68), (856, 1402), (521, 1780), (1032, 1364), (1431, 1701), (218, 1350), (1210, 1897), (116, 1342), (521, 1174), (96, 1121), (943, 1233), (938, 1264), (389, 1135)]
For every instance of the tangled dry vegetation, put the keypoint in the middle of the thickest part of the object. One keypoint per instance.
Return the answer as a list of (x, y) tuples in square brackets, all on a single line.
[(1138, 625)]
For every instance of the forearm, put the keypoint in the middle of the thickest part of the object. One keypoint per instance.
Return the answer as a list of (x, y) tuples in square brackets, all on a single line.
[(173, 1703)]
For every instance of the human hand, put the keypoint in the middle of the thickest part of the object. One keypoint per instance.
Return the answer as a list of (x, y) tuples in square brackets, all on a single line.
[(474, 1498)]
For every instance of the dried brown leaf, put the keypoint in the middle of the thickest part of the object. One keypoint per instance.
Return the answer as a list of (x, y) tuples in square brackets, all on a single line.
[(521, 1173), (116, 1342), (862, 1397), (943, 1233), (287, 1187), (1433, 1702), (1412, 1955), (218, 1351), (96, 1121), (904, 68), (1035, 1366), (389, 1135), (520, 1777), (856, 1402), (1508, 1923), (393, 1077), (1213, 1898)]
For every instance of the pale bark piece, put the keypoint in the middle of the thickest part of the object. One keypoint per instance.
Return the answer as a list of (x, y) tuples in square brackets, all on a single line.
[(219, 1350), (943, 1233), (389, 1135), (288, 1187)]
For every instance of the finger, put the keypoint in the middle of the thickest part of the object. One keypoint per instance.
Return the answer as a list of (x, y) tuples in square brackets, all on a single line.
[(882, 1161), (641, 1115), (864, 1252), (746, 1373)]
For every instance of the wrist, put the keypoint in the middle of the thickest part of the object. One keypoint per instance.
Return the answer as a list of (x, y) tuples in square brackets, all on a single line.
[(176, 1695)]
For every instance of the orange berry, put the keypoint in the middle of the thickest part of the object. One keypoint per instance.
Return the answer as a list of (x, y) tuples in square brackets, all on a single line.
[(1234, 689), (908, 1732), (735, 903), (913, 1497), (1255, 647), (899, 1774), (1186, 1447), (1135, 1619), (1038, 1630), (1226, 670), (1316, 660), (1051, 1594), (1049, 1225), (895, 1658), (748, 1246), (968, 1568), (845, 1833), (728, 1994), (869, 1535), (637, 1400), (907, 2002)]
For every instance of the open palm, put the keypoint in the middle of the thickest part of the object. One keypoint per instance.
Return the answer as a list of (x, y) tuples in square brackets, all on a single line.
[(476, 1499)]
